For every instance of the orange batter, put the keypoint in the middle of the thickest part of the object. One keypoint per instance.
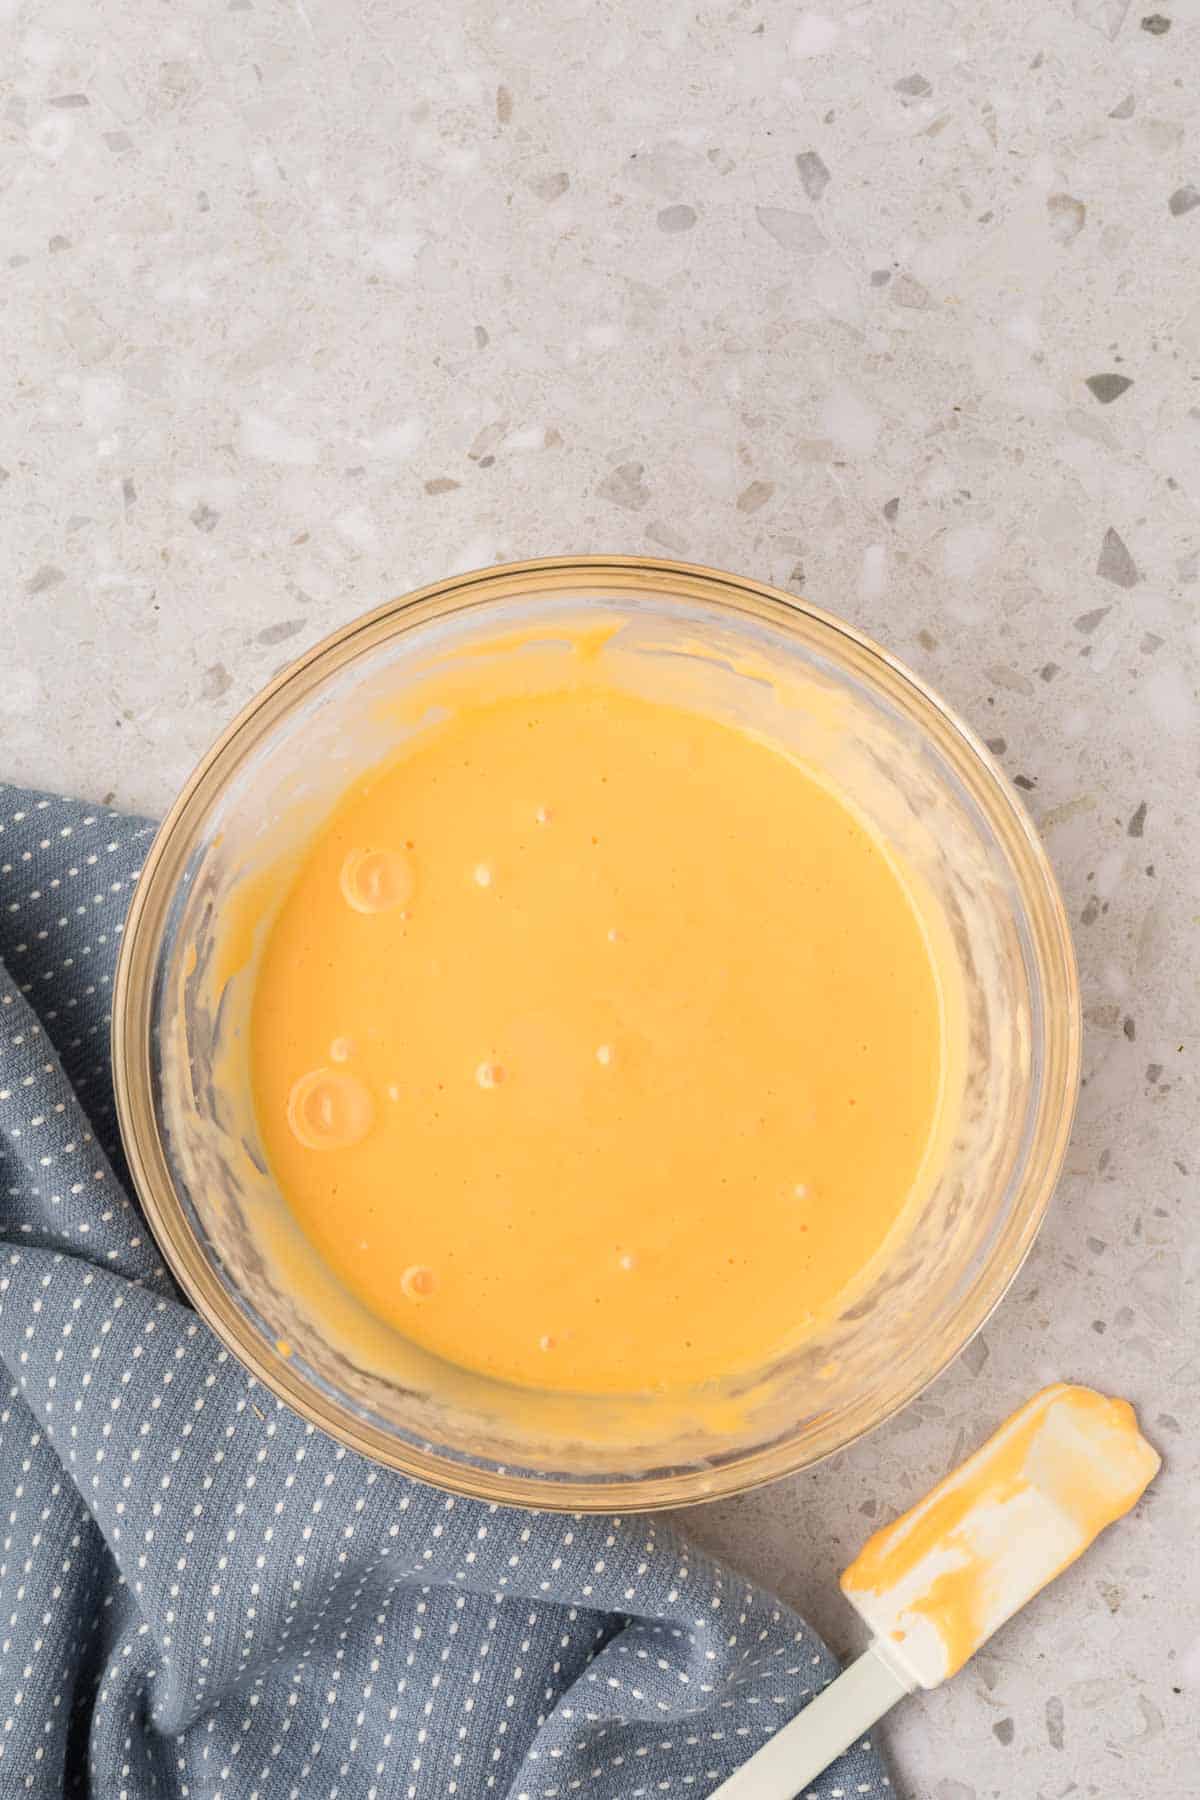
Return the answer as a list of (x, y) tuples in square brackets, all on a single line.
[(597, 1044)]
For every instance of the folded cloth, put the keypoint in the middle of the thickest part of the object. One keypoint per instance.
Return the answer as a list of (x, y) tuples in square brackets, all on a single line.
[(201, 1595)]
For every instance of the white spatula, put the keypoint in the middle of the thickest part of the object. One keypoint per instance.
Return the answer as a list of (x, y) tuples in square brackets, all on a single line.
[(934, 1585)]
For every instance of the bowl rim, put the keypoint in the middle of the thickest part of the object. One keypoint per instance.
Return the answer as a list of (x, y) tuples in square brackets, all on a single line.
[(1050, 945)]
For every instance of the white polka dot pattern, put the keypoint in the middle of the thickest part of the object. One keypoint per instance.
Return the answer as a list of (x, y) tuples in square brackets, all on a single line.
[(202, 1596)]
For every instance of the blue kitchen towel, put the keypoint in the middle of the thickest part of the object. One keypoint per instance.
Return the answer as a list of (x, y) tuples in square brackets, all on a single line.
[(201, 1595)]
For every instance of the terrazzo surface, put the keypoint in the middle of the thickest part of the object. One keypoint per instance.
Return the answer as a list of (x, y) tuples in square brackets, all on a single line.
[(895, 306)]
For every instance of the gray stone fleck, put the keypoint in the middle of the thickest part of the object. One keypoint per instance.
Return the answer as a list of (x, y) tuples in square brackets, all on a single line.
[(1010, 679), (46, 577), (1111, 1594), (1067, 217), (1153, 1073), (1091, 911), (551, 187), (625, 487), (1168, 1422), (1026, 782), (487, 439), (1136, 827), (1162, 137), (1048, 671), (118, 141), (677, 218), (890, 509), (504, 106), (1184, 200), (997, 745), (1188, 567), (278, 634), (1087, 425), (976, 1354), (1150, 643), (1124, 109), (1156, 24), (1054, 1722), (957, 1449), (1004, 1731), (68, 101), (128, 492), (177, 81), (927, 640), (5, 475), (869, 1508), (667, 538), (794, 230), (1096, 1245), (1108, 388), (1105, 16), (1115, 563), (58, 243), (217, 681), (203, 203), (913, 87), (814, 176), (754, 496), (906, 291), (441, 484), (1129, 1027), (1088, 621), (203, 517), (1101, 1690), (880, 277)]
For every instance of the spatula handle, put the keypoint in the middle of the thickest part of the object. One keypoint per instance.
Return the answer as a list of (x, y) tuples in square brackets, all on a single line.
[(785, 1765)]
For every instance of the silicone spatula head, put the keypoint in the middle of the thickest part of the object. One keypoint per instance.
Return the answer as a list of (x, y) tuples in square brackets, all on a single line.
[(934, 1585)]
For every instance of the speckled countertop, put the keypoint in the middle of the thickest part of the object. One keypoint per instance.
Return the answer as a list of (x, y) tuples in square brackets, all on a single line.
[(895, 305)]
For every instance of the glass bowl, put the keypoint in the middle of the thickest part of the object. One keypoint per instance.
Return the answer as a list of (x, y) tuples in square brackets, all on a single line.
[(928, 787)]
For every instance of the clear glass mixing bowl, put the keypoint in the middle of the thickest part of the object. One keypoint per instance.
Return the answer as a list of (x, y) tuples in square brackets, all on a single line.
[(928, 786)]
